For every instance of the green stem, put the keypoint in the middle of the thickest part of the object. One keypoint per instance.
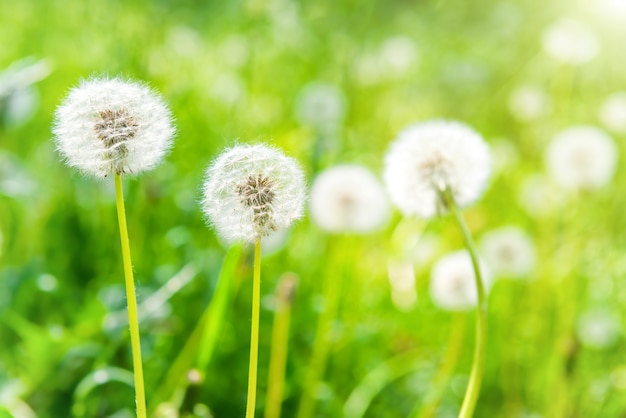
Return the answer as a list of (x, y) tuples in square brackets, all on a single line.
[(321, 346), (254, 335), (280, 343), (436, 390), (131, 300), (480, 348)]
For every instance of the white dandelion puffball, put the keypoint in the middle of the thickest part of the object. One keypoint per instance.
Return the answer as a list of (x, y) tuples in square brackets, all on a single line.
[(453, 283), (349, 198), (613, 112), (113, 126), (320, 105), (581, 157), (571, 42), (251, 191), (435, 155), (509, 252)]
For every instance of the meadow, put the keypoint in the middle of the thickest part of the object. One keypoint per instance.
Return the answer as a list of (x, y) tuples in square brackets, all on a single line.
[(328, 83)]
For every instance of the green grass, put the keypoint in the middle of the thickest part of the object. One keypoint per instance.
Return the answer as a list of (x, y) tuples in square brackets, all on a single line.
[(470, 57)]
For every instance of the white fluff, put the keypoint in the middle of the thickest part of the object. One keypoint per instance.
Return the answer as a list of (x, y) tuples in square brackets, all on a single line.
[(509, 252), (251, 191), (433, 155), (349, 198), (581, 157), (107, 126), (453, 283), (571, 42)]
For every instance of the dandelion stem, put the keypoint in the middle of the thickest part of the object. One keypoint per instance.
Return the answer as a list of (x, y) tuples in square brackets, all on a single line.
[(280, 342), (131, 300), (473, 387), (254, 335)]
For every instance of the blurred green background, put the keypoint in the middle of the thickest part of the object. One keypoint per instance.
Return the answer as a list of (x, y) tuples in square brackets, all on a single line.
[(237, 71)]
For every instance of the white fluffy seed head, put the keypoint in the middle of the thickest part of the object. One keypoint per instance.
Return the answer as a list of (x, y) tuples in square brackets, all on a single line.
[(581, 157), (453, 283), (509, 252), (571, 42), (250, 191), (349, 198), (436, 155), (107, 126)]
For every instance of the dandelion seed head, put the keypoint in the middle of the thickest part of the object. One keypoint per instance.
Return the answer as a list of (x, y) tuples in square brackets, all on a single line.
[(581, 157), (252, 191), (113, 126), (429, 157), (349, 198), (509, 252), (453, 283), (570, 41)]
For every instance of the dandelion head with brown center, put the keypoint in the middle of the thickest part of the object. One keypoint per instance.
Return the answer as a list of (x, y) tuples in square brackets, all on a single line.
[(113, 126), (251, 191), (431, 157)]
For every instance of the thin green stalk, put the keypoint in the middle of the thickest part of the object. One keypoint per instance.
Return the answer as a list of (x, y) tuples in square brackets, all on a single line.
[(131, 300), (480, 348), (280, 343), (428, 408), (254, 334), (321, 346)]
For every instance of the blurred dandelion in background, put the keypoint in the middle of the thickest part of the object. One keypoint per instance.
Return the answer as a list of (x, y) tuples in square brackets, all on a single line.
[(321, 106), (581, 158), (528, 103), (349, 198), (598, 329), (613, 112), (570, 41), (453, 282), (509, 252)]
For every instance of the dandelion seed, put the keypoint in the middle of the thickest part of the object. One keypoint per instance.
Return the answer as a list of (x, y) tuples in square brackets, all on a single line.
[(251, 191), (113, 126), (349, 198), (613, 112), (509, 252), (453, 282), (430, 157), (571, 42), (581, 157)]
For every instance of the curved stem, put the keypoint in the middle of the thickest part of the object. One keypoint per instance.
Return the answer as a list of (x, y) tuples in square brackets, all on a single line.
[(254, 335), (131, 300), (476, 376)]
